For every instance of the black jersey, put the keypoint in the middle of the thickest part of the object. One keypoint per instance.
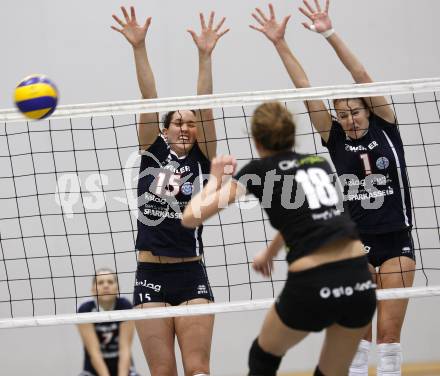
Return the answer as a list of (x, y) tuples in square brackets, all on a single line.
[(302, 203), (372, 170), (166, 184), (107, 332)]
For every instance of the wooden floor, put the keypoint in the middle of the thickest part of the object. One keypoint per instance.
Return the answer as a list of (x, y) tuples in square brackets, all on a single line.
[(415, 369)]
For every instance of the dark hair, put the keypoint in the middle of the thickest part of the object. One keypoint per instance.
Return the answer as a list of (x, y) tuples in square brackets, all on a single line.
[(166, 119), (273, 126), (362, 99)]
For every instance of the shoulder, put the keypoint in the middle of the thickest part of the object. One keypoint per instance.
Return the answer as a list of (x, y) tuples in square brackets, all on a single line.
[(198, 155), (250, 176), (252, 167), (159, 145), (123, 303), (310, 159), (391, 130), (306, 161), (335, 125), (336, 135), (88, 306), (376, 120)]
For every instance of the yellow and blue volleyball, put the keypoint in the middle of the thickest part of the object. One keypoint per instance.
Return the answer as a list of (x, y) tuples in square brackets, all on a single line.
[(36, 97)]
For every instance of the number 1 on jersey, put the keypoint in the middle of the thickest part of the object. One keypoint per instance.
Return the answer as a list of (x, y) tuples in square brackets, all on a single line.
[(366, 161)]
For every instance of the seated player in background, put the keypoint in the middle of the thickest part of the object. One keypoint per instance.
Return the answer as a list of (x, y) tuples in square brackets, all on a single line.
[(329, 285), (107, 345)]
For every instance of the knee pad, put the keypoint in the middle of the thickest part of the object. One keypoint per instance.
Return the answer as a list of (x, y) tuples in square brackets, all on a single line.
[(389, 362), (318, 372), (359, 365), (262, 363)]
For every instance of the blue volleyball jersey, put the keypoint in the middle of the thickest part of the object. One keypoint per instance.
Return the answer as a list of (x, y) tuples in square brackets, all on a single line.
[(300, 200), (107, 332), (166, 185), (372, 170)]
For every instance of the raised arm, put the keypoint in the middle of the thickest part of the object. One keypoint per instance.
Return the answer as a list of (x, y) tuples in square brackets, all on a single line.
[(148, 128), (274, 31), (206, 42), (91, 343), (321, 23), (126, 331)]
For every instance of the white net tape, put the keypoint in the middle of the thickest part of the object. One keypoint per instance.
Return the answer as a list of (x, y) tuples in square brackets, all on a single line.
[(188, 310), (234, 99)]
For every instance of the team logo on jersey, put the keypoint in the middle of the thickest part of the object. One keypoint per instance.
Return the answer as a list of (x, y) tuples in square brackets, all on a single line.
[(406, 250), (382, 163), (372, 145), (355, 148), (201, 290), (287, 165), (187, 188)]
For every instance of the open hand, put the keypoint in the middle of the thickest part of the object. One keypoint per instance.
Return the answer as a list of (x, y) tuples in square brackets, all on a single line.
[(320, 19), (130, 29), (269, 26), (208, 37)]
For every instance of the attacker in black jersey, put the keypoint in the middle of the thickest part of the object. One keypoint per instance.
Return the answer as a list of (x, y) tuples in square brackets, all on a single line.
[(170, 269), (366, 148), (107, 345), (329, 285)]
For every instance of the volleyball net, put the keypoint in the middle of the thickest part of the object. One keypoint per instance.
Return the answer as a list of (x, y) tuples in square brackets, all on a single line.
[(68, 199)]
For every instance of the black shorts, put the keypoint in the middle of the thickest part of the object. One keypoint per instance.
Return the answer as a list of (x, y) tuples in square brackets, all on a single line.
[(340, 292), (382, 247), (112, 366), (171, 283)]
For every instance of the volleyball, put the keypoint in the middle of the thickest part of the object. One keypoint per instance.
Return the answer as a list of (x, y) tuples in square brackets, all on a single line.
[(36, 97)]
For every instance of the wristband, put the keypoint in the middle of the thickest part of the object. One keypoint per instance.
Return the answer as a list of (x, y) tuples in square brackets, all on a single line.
[(328, 33), (325, 34)]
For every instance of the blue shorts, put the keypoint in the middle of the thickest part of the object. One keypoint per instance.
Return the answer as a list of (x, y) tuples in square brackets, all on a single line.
[(171, 283), (340, 292), (382, 247)]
